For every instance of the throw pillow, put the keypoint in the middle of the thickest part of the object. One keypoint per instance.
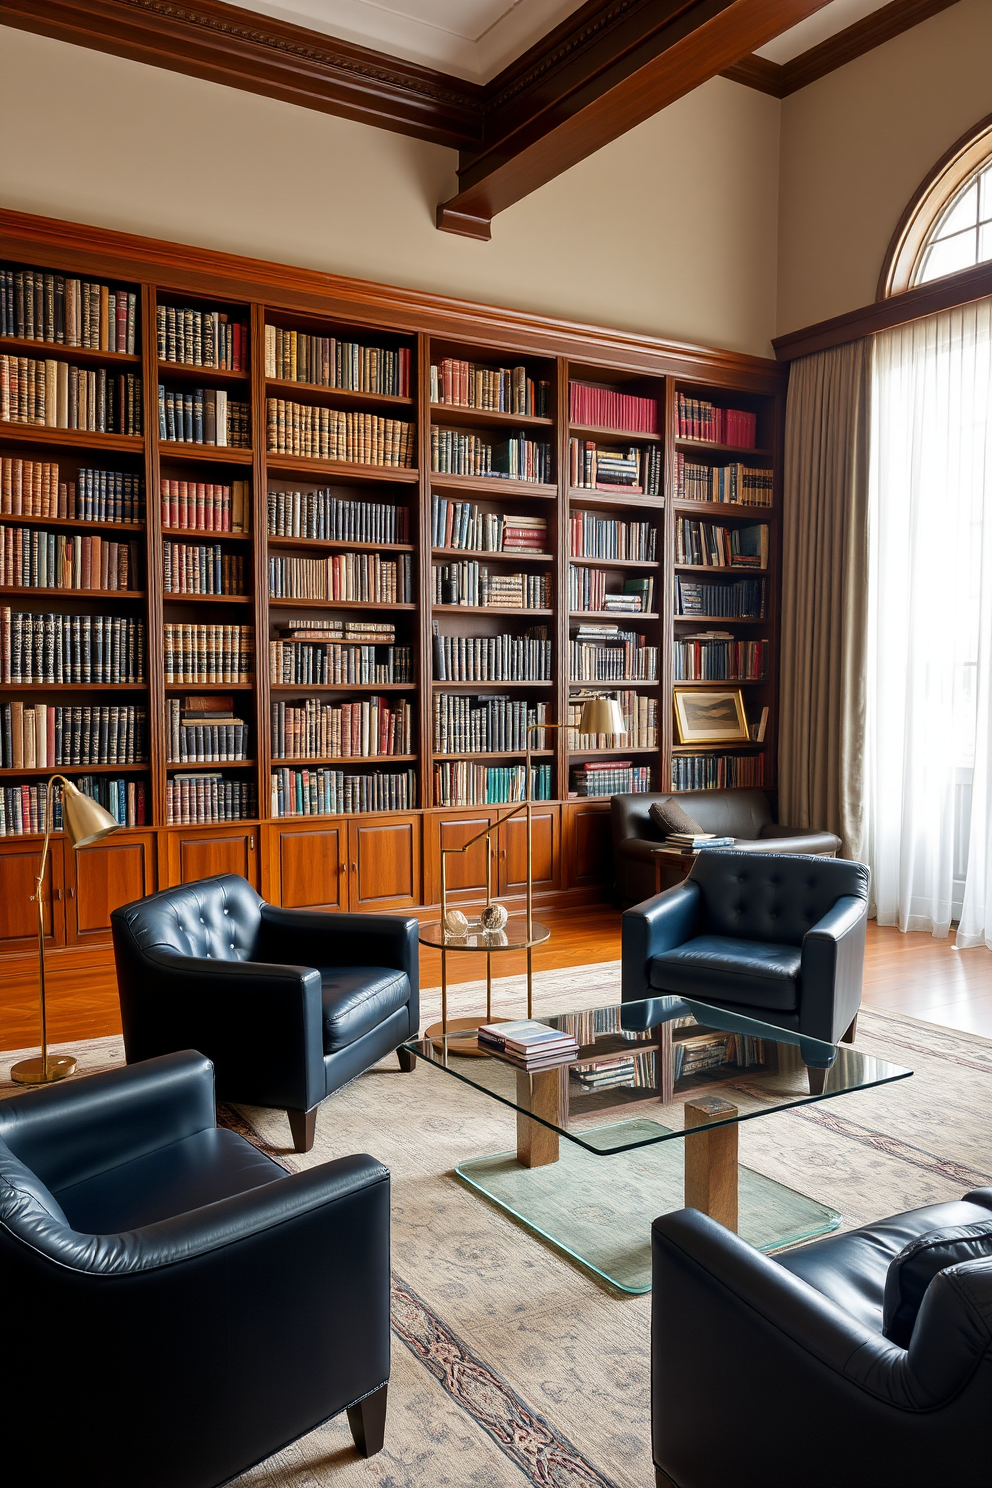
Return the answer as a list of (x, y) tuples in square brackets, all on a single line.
[(913, 1269), (669, 817)]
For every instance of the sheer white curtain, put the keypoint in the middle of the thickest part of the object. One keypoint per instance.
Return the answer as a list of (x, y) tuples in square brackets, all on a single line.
[(930, 625)]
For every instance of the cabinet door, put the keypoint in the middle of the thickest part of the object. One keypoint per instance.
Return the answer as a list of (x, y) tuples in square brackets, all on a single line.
[(18, 912), (588, 844), (544, 851), (466, 872), (193, 855), (101, 877), (384, 864), (312, 867)]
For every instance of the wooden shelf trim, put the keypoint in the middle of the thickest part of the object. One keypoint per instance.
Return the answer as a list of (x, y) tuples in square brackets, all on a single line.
[(601, 431), (306, 467), (58, 351), (487, 610), (505, 555), (73, 594)]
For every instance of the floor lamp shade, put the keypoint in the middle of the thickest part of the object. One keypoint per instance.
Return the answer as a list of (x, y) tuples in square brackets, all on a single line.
[(84, 820), (601, 715)]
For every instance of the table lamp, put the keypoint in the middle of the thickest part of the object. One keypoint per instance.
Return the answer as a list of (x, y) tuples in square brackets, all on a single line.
[(84, 821)]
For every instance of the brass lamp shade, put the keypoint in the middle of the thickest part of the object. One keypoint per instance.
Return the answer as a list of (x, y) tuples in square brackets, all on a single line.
[(601, 715), (84, 820)]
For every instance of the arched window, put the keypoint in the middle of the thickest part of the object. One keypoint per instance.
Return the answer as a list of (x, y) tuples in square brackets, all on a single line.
[(947, 227)]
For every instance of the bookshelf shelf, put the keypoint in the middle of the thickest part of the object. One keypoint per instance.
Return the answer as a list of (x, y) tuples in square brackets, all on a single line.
[(302, 467), (506, 555), (219, 454), (328, 544), (300, 689), (442, 609), (583, 496), (597, 431), (721, 620), (208, 686), (51, 350), (457, 413), (614, 562), (609, 753), (313, 761), (210, 376), (7, 688), (700, 446), (171, 596), (185, 534), (717, 748), (597, 684), (489, 682), (722, 682), (613, 615), (73, 524), (279, 603), (736, 511), (132, 767), (721, 569), (22, 590), (315, 392), (483, 754), (207, 764), (79, 439), (495, 486)]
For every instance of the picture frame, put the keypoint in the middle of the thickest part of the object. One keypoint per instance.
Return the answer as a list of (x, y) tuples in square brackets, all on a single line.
[(711, 716)]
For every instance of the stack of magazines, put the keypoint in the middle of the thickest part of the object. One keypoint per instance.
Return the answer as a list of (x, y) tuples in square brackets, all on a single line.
[(528, 1044), (689, 843)]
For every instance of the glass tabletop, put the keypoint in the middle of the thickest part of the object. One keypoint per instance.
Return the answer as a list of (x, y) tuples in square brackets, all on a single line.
[(639, 1063), (512, 937)]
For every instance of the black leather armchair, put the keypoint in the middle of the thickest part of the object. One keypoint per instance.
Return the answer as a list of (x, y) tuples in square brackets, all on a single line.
[(289, 1004), (743, 814), (177, 1305), (779, 939), (776, 1371)]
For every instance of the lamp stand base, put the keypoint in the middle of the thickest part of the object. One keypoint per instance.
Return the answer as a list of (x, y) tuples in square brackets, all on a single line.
[(43, 1071)]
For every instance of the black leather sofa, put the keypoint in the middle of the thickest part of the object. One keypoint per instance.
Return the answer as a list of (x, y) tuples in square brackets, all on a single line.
[(776, 938), (289, 1004), (177, 1306), (743, 814), (776, 1372)]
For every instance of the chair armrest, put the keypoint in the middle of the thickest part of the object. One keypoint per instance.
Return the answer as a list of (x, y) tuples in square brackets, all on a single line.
[(320, 938), (831, 970), (69, 1132), (779, 839), (659, 924)]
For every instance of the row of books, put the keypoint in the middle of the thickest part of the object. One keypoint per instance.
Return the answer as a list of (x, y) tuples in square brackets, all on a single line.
[(464, 783), (56, 395), (312, 729), (717, 656), (322, 515), (612, 656), (587, 591), (333, 663), (325, 361), (696, 418), (42, 735), (527, 1044), (735, 485), (201, 338), (594, 467), (334, 793), (474, 584), (714, 546), (500, 658), (22, 807), (36, 305), (716, 771), (699, 1052), (206, 796), (34, 559), (605, 408), (638, 1071), (202, 568), (499, 389), (610, 778), (315, 433), (462, 524), (204, 729), (70, 649), (486, 725), (32, 488), (205, 506), (640, 714), (362, 577), (208, 653), (203, 416), (744, 599), (516, 457), (592, 536)]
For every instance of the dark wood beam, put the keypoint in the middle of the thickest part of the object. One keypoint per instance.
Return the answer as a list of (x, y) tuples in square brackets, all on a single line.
[(759, 73), (606, 70)]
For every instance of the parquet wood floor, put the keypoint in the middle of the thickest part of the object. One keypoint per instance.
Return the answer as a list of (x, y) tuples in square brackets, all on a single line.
[(912, 974)]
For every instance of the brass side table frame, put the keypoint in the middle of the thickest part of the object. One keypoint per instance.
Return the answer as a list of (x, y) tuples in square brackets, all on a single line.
[(514, 936)]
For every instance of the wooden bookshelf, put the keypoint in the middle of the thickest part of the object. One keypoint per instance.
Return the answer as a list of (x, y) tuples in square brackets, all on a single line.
[(384, 860)]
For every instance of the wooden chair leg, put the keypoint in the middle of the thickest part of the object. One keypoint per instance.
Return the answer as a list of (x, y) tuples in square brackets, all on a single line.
[(367, 1420), (852, 1032), (303, 1125), (408, 1060)]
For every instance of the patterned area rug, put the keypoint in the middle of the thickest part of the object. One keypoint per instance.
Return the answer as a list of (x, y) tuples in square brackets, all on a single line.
[(511, 1366)]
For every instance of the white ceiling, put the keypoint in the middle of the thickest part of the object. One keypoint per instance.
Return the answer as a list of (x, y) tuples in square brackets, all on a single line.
[(818, 27), (473, 39)]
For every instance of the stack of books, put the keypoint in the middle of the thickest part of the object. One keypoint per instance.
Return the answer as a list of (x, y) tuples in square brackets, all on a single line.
[(528, 1044), (689, 843), (530, 533)]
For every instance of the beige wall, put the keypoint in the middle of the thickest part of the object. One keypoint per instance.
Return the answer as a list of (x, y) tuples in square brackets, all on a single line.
[(671, 230), (856, 145)]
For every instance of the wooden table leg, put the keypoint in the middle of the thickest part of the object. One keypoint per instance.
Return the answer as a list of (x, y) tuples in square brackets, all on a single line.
[(711, 1160), (539, 1092)]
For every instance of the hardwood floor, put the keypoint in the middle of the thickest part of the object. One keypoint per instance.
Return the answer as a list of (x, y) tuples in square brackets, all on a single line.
[(912, 974)]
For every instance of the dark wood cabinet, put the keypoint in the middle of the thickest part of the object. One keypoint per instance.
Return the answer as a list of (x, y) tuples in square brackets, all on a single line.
[(544, 849), (312, 867), (384, 864), (588, 845), (192, 854), (99, 878), (466, 872), (18, 911)]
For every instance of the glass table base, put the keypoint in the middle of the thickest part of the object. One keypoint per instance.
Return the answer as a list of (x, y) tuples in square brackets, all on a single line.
[(599, 1210)]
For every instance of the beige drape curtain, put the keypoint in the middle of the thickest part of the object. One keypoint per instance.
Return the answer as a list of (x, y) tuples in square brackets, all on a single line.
[(825, 594)]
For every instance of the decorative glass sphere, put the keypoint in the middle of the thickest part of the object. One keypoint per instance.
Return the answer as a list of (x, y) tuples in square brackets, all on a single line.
[(494, 917), (455, 923)]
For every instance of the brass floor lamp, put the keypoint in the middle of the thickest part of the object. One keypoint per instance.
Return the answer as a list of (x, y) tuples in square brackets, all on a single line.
[(84, 822)]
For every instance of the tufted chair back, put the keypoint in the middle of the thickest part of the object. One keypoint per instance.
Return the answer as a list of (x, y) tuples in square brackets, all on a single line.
[(218, 918), (767, 897)]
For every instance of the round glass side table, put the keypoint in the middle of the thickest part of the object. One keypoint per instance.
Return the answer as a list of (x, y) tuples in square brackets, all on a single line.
[(512, 937)]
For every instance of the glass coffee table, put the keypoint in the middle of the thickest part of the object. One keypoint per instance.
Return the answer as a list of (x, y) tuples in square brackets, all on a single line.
[(659, 1088)]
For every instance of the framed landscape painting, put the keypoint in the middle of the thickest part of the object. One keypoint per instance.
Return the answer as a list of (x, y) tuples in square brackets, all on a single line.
[(710, 717)]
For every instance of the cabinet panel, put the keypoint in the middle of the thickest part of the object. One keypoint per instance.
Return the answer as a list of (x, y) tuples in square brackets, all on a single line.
[(201, 856), (312, 869), (102, 877), (466, 872), (588, 844), (384, 864), (513, 852), (18, 912)]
